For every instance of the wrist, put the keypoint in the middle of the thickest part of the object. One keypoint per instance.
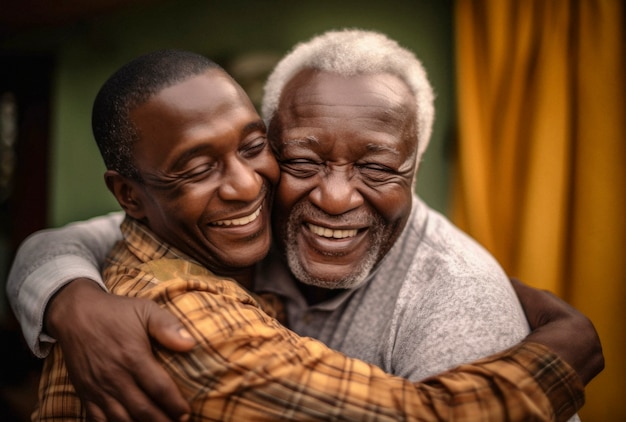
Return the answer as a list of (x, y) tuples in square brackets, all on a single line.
[(61, 303)]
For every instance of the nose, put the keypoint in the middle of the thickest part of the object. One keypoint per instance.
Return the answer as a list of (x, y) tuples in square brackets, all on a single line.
[(336, 192), (241, 182)]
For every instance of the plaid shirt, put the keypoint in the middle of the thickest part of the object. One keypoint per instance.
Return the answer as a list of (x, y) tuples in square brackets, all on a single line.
[(246, 366)]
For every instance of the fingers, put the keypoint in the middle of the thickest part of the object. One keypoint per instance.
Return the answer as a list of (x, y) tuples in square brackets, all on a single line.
[(540, 306), (158, 385), (115, 396), (136, 392), (153, 394), (167, 330), (115, 413), (94, 413), (109, 358), (563, 329)]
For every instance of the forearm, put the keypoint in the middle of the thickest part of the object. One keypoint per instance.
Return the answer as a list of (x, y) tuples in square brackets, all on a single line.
[(526, 383), (47, 261), (515, 384), (286, 376)]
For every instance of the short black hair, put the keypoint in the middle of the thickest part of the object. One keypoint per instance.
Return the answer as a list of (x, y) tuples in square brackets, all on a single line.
[(129, 87)]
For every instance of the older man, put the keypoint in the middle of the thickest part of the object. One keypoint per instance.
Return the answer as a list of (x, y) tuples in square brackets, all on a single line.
[(379, 275)]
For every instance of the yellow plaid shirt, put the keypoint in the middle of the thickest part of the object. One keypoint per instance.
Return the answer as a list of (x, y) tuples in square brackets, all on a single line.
[(246, 366)]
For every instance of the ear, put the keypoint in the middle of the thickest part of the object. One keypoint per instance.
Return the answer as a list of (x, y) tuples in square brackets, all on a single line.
[(127, 192)]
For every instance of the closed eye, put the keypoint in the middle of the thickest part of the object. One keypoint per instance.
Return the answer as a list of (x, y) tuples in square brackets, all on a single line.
[(376, 172), (198, 171), (300, 167), (254, 148)]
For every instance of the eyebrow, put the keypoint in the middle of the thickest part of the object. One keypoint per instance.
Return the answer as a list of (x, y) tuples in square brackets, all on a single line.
[(299, 142), (313, 141), (382, 148), (185, 156), (254, 126)]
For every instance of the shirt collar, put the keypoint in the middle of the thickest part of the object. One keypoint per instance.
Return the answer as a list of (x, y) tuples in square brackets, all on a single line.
[(145, 244), (273, 274)]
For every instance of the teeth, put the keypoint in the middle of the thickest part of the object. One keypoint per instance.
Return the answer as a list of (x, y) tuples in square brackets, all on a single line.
[(239, 221), (326, 232)]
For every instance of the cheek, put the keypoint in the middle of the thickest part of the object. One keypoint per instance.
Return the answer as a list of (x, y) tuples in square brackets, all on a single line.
[(393, 205), (266, 166), (290, 190), (190, 203)]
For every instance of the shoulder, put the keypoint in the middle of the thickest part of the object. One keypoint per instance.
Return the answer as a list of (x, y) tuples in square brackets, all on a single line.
[(445, 250), (167, 278), (449, 267)]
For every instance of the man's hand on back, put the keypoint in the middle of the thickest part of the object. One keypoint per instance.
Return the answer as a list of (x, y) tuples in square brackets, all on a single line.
[(105, 341), (563, 329)]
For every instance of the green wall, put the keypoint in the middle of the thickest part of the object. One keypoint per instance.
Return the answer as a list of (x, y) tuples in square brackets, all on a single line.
[(88, 52)]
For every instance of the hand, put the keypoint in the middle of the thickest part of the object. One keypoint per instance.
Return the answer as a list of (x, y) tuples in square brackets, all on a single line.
[(106, 345), (563, 329)]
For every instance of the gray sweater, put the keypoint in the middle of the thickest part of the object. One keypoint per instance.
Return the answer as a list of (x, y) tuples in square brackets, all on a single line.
[(438, 299)]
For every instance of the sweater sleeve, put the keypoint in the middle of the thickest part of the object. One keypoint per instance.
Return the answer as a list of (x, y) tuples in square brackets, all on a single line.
[(49, 259)]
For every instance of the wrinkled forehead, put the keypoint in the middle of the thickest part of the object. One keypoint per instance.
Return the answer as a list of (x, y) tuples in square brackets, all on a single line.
[(381, 102), (311, 86)]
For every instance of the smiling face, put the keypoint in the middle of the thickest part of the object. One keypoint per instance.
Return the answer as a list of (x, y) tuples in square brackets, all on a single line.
[(346, 148), (207, 172)]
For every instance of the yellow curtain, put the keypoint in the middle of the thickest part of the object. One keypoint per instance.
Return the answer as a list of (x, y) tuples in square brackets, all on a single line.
[(541, 166)]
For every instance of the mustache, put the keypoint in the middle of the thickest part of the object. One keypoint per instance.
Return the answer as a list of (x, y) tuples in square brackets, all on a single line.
[(358, 217)]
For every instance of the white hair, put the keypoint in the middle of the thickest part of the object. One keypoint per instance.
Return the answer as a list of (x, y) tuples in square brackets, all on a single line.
[(351, 52)]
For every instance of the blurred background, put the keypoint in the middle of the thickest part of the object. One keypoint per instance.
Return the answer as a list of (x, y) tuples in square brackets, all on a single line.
[(528, 153)]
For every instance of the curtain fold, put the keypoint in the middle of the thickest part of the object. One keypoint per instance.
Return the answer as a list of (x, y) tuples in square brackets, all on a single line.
[(540, 175)]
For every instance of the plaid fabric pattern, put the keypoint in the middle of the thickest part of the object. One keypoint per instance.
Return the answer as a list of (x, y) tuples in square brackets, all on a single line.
[(246, 366)]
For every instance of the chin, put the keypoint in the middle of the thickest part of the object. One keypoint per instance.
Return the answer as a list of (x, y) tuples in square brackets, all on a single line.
[(327, 279), (251, 256), (329, 275)]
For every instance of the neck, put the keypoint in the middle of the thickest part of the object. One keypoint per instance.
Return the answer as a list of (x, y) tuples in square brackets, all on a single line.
[(243, 276), (315, 295)]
